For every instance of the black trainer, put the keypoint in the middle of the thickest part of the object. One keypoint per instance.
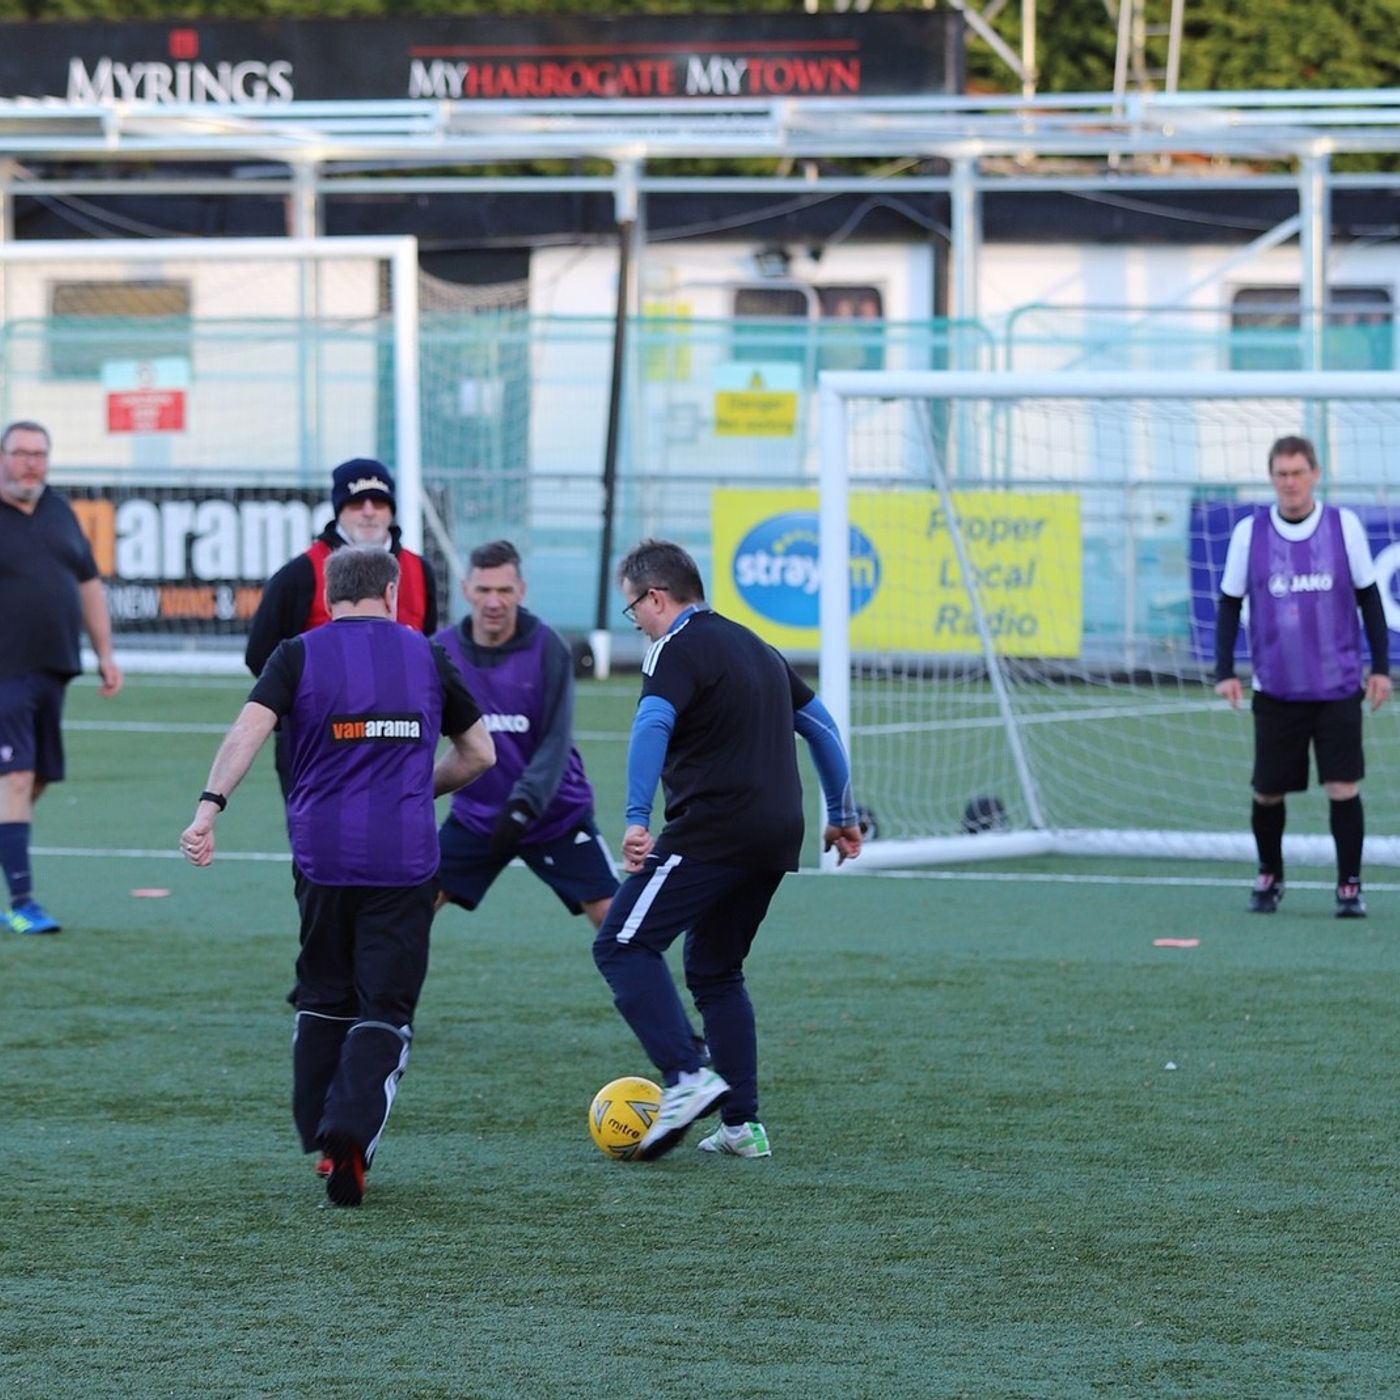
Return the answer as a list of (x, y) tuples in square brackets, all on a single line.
[(1268, 890), (345, 1183), (1350, 905)]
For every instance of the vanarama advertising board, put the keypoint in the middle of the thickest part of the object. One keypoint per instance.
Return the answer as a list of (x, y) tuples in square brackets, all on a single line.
[(174, 558), (908, 593)]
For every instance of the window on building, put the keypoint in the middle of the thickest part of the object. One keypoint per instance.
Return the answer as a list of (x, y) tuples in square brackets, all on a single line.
[(835, 327), (770, 301), (756, 305), (94, 322), (1267, 329), (852, 330)]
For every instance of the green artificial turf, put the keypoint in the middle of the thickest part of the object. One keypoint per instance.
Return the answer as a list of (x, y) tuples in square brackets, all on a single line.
[(1018, 1149)]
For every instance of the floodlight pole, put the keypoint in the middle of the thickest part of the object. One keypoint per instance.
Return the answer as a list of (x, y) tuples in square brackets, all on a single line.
[(626, 197), (8, 169), (408, 431), (1315, 216), (304, 202)]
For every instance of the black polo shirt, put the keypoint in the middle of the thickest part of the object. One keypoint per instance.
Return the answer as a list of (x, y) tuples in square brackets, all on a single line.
[(43, 559), (733, 795)]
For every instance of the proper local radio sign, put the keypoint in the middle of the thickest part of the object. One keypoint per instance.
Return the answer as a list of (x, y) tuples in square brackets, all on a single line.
[(146, 396)]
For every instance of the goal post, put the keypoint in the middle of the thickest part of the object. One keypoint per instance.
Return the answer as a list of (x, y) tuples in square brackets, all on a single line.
[(199, 393), (1018, 581)]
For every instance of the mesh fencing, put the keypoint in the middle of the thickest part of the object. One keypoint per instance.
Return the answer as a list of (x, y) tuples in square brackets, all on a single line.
[(251, 383)]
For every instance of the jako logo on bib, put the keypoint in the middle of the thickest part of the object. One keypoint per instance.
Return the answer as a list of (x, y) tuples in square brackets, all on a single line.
[(777, 569)]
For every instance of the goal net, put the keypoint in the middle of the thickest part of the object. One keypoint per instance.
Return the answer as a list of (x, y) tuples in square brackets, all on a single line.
[(1019, 578), (198, 393)]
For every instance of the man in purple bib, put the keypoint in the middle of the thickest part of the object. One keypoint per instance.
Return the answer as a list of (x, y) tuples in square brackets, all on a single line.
[(1306, 568), (364, 702), (536, 803)]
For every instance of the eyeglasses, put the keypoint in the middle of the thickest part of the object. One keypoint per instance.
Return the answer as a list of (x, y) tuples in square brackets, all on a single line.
[(630, 611), (25, 455)]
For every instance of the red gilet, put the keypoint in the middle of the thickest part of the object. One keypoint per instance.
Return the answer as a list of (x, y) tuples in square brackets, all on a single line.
[(413, 593)]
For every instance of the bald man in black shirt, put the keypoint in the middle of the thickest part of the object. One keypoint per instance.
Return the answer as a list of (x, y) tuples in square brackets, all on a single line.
[(49, 593)]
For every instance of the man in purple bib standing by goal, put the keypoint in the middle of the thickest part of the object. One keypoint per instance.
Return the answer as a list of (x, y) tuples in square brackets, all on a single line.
[(1306, 569)]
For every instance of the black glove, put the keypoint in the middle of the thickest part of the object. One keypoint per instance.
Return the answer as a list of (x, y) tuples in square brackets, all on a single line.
[(510, 828)]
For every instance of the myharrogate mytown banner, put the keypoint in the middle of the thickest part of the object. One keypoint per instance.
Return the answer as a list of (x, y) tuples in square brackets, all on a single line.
[(532, 58), (908, 593)]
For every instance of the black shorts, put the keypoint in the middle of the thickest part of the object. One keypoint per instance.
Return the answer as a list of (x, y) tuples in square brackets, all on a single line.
[(31, 725), (364, 949), (1283, 730), (577, 867)]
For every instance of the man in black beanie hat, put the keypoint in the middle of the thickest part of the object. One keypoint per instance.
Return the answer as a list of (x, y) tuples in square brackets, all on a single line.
[(293, 601)]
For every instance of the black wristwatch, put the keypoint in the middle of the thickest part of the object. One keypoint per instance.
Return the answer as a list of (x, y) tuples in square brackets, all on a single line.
[(217, 798)]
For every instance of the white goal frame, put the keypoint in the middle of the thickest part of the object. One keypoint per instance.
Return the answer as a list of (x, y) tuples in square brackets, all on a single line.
[(836, 390), (400, 252)]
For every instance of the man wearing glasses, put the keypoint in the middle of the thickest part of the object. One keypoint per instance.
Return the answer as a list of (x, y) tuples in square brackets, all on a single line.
[(715, 725), (50, 593)]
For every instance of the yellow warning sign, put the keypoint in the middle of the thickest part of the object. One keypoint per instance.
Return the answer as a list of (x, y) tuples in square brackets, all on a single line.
[(757, 400)]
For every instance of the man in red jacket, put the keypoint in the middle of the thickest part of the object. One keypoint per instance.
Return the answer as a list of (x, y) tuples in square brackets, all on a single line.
[(293, 602)]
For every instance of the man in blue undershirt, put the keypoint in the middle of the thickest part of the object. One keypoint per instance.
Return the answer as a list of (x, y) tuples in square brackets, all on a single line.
[(715, 725)]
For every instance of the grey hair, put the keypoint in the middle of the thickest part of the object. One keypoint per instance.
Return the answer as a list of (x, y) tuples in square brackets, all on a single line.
[(665, 565), (495, 555), (354, 574), (23, 425)]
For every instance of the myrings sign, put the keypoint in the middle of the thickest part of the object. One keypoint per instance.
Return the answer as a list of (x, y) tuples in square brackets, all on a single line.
[(532, 58)]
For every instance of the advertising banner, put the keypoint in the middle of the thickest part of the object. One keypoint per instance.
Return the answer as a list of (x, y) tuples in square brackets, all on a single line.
[(533, 58), (177, 559), (1211, 525), (908, 594)]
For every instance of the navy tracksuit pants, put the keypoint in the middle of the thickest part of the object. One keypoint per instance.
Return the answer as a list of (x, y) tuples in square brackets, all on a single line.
[(719, 909)]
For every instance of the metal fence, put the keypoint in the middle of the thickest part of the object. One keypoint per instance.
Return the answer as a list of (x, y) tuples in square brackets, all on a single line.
[(514, 409)]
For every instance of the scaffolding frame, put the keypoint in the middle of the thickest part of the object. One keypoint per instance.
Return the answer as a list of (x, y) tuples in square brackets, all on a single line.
[(305, 152)]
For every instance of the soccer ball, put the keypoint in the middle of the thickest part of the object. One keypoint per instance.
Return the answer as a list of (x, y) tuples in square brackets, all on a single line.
[(985, 813), (621, 1113)]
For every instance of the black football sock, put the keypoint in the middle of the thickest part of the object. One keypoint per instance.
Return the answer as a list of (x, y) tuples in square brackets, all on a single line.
[(1267, 821), (1349, 832), (14, 856)]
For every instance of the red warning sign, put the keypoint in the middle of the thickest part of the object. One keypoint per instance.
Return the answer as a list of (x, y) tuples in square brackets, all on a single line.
[(146, 411), (146, 396)]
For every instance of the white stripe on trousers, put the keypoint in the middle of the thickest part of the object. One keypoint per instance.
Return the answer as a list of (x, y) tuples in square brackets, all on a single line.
[(607, 854), (391, 1082), (647, 898)]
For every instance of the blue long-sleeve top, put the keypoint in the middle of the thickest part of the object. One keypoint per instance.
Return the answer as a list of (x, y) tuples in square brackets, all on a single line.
[(651, 733)]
